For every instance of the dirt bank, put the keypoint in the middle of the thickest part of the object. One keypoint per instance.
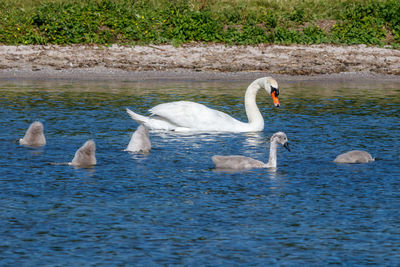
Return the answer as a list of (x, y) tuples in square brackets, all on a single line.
[(64, 61)]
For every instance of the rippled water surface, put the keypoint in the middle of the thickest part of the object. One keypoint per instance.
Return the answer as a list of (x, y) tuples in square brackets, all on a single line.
[(171, 207)]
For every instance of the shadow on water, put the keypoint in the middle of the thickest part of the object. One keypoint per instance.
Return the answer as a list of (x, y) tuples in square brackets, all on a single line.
[(171, 206)]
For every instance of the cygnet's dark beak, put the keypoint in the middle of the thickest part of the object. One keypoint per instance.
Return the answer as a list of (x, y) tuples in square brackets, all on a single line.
[(286, 145)]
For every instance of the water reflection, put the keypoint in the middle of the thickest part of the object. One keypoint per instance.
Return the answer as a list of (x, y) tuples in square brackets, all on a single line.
[(172, 205), (271, 172), (253, 139), (89, 171)]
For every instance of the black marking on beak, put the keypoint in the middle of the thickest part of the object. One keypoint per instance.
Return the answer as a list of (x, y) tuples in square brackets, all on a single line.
[(286, 145), (275, 89)]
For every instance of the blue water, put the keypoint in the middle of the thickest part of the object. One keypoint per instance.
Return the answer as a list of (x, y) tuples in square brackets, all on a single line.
[(171, 207)]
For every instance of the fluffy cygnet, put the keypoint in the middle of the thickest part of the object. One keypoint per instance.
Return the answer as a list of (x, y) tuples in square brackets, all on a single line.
[(354, 156), (85, 155), (34, 136), (140, 141), (242, 162)]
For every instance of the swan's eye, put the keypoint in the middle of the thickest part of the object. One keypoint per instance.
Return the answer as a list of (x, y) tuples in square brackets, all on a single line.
[(274, 89)]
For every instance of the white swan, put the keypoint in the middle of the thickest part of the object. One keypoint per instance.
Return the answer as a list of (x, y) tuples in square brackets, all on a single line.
[(34, 136), (85, 155), (191, 116), (354, 156), (140, 141), (242, 162)]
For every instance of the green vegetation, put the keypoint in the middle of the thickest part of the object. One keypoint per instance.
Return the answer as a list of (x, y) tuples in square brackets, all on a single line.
[(105, 22)]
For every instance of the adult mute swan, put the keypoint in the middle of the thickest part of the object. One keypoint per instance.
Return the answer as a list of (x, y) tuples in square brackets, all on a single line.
[(140, 141), (191, 116), (85, 155), (242, 162), (34, 136), (354, 156)]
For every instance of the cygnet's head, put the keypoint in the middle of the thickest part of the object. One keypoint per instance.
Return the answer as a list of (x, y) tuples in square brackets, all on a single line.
[(280, 138)]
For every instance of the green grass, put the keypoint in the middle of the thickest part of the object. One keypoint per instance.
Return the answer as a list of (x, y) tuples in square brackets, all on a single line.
[(105, 22)]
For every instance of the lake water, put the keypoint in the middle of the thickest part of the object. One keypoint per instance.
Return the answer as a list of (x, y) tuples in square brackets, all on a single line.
[(171, 207)]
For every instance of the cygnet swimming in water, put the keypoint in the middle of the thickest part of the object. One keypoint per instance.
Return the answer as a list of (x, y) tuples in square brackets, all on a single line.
[(354, 156), (34, 136), (140, 141), (85, 155), (242, 162)]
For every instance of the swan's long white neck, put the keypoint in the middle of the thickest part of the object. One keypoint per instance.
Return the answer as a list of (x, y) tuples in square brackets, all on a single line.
[(253, 113), (272, 155)]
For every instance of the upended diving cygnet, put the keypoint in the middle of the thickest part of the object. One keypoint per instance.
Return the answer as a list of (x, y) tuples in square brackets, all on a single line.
[(140, 141), (34, 136), (85, 155), (354, 156), (242, 162)]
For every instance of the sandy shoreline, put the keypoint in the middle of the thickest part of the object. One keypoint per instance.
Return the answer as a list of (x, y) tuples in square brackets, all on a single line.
[(199, 62)]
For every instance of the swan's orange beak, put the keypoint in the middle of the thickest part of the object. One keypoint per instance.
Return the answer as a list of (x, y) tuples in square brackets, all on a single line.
[(275, 99)]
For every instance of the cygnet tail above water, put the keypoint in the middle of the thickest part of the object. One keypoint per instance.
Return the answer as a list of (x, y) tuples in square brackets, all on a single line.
[(140, 141), (85, 155), (354, 156), (236, 162), (34, 136), (195, 117)]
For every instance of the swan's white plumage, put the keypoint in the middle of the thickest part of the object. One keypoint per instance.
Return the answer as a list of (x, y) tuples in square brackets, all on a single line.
[(191, 116)]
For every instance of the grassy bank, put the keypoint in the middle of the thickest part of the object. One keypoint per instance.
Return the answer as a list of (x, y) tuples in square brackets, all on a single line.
[(372, 22)]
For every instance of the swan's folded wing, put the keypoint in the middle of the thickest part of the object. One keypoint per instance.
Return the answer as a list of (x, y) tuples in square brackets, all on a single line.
[(194, 116)]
